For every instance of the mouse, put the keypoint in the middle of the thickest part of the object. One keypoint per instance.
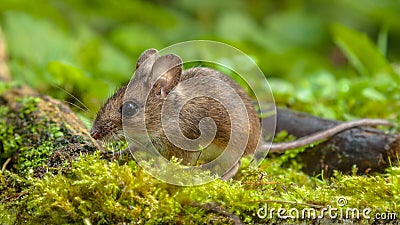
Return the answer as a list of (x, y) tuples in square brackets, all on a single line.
[(160, 86)]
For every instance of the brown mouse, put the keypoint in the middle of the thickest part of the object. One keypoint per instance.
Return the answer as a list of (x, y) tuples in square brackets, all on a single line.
[(159, 81)]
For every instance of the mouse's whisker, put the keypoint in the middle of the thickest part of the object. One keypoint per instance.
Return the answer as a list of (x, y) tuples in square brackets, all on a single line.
[(75, 105), (83, 108)]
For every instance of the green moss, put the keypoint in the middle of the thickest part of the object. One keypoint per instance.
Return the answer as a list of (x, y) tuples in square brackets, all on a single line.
[(33, 136), (3, 87), (96, 191), (7, 216), (101, 192), (10, 142)]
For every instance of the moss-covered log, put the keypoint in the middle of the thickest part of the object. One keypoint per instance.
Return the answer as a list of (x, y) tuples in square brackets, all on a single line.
[(367, 148), (38, 133)]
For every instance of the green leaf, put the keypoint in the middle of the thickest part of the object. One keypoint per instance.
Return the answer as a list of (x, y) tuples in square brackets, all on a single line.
[(36, 41), (128, 36), (361, 52), (374, 95), (383, 39), (64, 73)]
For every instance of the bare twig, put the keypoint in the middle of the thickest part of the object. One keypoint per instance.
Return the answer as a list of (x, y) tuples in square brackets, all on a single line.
[(5, 165)]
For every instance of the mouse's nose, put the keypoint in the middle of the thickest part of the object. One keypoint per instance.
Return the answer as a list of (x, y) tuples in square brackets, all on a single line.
[(95, 133)]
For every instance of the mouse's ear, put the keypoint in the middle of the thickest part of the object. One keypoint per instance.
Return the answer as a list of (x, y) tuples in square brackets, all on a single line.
[(145, 55), (167, 70)]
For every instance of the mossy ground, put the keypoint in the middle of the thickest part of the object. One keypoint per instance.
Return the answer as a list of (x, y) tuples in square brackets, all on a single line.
[(94, 190)]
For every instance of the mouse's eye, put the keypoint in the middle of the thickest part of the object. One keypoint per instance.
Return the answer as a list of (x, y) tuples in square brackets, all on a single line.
[(129, 108)]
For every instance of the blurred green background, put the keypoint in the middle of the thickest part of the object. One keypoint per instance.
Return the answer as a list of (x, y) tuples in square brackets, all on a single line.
[(336, 59)]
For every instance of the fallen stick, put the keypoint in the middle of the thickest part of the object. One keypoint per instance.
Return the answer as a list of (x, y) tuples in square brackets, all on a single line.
[(368, 148)]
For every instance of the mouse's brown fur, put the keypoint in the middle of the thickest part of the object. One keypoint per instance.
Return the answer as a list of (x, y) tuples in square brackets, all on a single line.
[(108, 123), (158, 77), (196, 109)]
